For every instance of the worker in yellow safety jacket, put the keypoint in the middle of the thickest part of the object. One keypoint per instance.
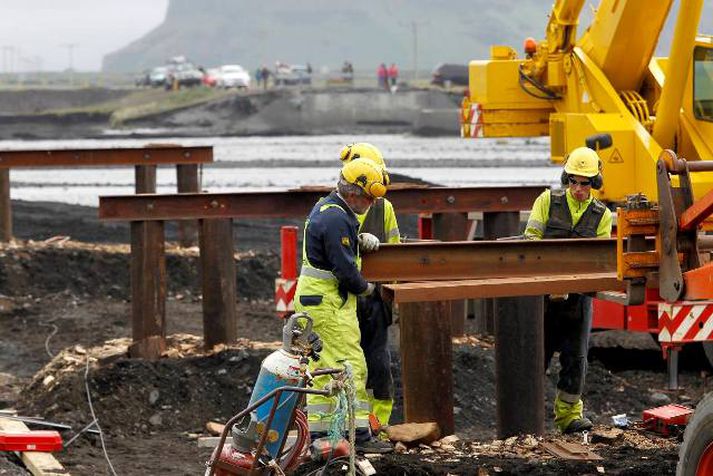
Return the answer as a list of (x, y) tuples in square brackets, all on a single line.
[(570, 213), (328, 286), (374, 314)]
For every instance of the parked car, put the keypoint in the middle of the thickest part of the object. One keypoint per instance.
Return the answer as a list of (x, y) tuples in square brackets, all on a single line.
[(157, 76), (449, 74), (232, 76), (187, 75), (291, 75)]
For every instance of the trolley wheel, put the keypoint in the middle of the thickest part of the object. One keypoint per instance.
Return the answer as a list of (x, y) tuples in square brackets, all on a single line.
[(695, 457)]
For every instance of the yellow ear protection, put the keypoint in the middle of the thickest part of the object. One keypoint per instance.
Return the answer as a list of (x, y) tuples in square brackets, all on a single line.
[(597, 180), (365, 174)]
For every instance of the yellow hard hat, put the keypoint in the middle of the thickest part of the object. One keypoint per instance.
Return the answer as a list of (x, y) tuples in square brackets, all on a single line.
[(583, 161), (367, 175), (363, 150)]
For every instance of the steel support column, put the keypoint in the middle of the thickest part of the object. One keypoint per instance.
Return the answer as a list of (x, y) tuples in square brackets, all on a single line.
[(453, 227), (220, 322), (519, 366), (426, 363)]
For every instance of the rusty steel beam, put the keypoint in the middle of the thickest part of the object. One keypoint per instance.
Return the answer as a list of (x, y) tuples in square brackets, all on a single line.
[(489, 259), (152, 155), (297, 203), (503, 287)]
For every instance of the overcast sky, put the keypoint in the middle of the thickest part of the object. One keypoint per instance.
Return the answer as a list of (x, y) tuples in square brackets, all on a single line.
[(39, 34)]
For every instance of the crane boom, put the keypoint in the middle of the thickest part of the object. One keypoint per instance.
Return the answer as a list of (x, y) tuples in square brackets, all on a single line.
[(605, 81)]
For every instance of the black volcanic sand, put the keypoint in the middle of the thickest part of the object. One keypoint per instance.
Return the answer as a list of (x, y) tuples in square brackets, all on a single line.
[(70, 299)]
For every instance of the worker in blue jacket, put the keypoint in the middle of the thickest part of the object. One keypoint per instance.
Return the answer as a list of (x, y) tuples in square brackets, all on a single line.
[(328, 286)]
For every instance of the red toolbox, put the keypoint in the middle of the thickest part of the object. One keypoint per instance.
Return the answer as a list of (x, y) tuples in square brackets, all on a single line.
[(667, 419), (38, 440)]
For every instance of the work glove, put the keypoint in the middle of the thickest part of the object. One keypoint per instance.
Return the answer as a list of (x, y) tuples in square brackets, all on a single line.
[(369, 289), (315, 344), (368, 242)]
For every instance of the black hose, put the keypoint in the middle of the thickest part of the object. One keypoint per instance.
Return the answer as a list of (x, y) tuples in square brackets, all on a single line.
[(548, 94)]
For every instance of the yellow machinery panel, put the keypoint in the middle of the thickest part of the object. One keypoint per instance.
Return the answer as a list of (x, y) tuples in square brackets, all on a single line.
[(500, 108)]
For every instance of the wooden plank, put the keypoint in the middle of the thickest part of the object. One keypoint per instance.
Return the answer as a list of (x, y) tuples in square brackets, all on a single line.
[(503, 287), (297, 203), (220, 321), (37, 462), (150, 155), (426, 363)]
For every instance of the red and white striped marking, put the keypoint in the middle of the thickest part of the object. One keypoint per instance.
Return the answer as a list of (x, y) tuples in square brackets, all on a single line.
[(686, 321), (476, 120), (285, 295)]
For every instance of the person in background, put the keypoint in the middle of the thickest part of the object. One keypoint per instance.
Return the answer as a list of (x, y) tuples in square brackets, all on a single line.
[(393, 75), (570, 213), (382, 76)]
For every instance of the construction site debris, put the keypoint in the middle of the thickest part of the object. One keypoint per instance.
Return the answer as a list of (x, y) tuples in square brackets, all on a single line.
[(414, 432), (567, 450), (606, 435)]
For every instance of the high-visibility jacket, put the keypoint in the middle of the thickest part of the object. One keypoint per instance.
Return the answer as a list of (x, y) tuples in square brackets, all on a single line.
[(375, 317), (559, 215), (381, 222), (326, 289)]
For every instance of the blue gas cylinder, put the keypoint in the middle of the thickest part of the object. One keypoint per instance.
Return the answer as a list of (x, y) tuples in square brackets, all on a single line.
[(279, 369)]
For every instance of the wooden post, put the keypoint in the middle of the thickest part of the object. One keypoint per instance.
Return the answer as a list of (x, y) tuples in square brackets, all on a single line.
[(5, 206), (148, 277), (220, 322), (495, 225), (187, 182), (148, 290), (519, 366), (427, 363), (145, 177), (453, 227)]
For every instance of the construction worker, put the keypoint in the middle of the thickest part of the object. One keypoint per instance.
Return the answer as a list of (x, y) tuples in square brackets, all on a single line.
[(373, 313), (570, 213), (328, 286)]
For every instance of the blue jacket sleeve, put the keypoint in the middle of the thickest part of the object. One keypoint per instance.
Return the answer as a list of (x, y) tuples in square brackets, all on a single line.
[(340, 244)]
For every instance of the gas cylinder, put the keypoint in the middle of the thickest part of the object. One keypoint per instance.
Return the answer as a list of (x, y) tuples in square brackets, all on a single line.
[(279, 369)]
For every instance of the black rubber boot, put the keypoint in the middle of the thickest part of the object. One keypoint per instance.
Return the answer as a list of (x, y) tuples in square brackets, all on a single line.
[(374, 445), (578, 425)]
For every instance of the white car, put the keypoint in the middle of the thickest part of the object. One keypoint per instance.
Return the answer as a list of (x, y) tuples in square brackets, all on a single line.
[(232, 76)]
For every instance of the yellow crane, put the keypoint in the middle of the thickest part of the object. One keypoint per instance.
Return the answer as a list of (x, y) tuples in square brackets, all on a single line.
[(570, 86), (605, 80)]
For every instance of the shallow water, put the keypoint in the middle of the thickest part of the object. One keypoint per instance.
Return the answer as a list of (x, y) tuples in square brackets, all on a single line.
[(264, 163)]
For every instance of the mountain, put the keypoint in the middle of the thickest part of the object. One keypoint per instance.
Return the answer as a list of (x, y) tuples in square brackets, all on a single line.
[(327, 32)]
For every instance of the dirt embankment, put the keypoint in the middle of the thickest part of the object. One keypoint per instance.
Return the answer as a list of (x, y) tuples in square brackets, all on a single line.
[(92, 113)]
